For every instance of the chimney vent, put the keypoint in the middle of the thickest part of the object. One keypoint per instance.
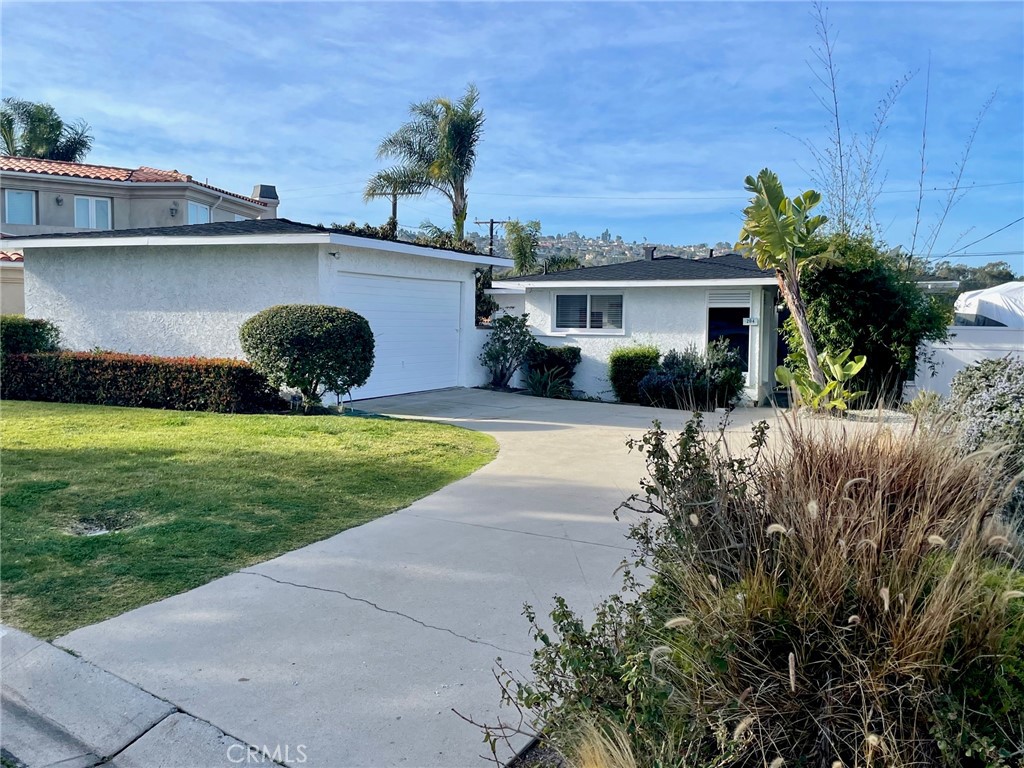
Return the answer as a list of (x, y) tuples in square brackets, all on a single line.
[(267, 193), (711, 252), (649, 252)]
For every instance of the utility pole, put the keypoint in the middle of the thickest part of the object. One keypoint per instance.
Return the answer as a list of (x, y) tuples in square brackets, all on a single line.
[(490, 223)]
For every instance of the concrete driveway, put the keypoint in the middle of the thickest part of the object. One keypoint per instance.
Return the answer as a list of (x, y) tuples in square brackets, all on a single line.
[(353, 651)]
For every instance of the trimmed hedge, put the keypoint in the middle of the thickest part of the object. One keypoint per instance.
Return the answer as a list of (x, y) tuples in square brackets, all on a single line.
[(140, 381), (561, 359), (23, 335), (626, 368)]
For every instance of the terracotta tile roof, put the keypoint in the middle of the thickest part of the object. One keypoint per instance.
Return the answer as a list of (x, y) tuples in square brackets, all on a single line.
[(11, 256), (142, 174)]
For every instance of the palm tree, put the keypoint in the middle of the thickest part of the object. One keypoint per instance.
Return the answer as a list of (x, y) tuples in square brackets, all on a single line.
[(779, 230), (28, 129), (435, 151), (521, 243)]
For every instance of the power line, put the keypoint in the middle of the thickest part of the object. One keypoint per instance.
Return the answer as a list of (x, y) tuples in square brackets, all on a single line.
[(986, 237), (737, 196)]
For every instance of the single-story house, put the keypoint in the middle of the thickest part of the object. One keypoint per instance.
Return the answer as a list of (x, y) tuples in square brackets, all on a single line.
[(667, 301), (186, 290)]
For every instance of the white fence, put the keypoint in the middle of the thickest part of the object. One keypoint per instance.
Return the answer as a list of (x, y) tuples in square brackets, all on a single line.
[(939, 362)]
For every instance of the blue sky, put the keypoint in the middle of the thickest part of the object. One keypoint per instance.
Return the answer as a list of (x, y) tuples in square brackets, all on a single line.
[(642, 118)]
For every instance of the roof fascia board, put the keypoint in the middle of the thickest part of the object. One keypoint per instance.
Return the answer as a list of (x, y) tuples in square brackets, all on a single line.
[(555, 284), (168, 186), (295, 238), (394, 246)]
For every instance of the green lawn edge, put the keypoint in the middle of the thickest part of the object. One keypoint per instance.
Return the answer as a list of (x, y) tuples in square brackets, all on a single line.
[(198, 496)]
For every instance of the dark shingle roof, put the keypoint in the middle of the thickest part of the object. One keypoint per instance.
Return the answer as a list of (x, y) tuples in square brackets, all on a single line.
[(228, 229), (729, 266), (217, 229)]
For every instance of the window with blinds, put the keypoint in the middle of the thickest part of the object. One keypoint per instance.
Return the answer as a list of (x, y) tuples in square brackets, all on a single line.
[(588, 311)]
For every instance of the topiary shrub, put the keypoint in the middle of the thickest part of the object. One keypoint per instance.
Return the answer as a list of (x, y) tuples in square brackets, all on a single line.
[(627, 366), (139, 381), (22, 335), (695, 381), (506, 348), (313, 348)]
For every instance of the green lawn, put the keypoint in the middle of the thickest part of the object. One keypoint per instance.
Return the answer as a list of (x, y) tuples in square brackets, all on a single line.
[(198, 495)]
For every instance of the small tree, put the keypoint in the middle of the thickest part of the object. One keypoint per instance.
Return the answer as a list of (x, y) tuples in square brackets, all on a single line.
[(506, 348), (779, 231), (313, 348), (865, 301)]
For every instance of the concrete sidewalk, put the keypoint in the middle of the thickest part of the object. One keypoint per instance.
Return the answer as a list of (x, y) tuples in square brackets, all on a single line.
[(59, 710), (355, 650)]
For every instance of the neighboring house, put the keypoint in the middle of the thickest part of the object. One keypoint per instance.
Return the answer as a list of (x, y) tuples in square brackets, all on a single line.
[(187, 290), (12, 283), (47, 196), (669, 302)]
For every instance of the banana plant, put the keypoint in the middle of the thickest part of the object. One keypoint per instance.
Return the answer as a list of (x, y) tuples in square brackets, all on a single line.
[(778, 232), (833, 394)]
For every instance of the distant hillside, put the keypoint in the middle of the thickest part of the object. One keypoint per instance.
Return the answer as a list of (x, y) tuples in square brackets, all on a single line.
[(591, 251)]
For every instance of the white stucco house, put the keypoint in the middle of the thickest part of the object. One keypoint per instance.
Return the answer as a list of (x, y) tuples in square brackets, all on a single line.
[(668, 301), (186, 290)]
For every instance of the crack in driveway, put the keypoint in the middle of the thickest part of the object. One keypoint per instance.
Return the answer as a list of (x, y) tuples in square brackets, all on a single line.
[(374, 605)]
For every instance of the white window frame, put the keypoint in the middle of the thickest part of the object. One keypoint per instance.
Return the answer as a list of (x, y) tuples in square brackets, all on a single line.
[(35, 207), (93, 224), (587, 331), (188, 212)]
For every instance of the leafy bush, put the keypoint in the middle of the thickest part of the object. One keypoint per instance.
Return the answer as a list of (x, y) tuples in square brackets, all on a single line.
[(987, 402), (562, 360), (695, 381), (627, 367), (486, 306), (506, 348), (313, 348), (832, 601), (865, 299), (22, 335), (141, 381)]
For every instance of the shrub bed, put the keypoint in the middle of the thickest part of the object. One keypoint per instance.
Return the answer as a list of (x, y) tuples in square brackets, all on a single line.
[(142, 381), (549, 370), (626, 368), (833, 601), (693, 380)]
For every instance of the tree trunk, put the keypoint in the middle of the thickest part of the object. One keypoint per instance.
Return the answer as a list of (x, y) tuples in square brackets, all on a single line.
[(795, 302)]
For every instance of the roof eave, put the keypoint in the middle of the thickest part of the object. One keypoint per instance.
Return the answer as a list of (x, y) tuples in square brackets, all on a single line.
[(290, 238), (697, 282)]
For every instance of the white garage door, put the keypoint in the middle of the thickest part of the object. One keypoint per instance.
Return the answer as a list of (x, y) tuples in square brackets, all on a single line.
[(415, 327)]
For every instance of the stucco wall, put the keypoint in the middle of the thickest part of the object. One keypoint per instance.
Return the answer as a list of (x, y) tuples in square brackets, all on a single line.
[(373, 262), (170, 300), (668, 318)]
